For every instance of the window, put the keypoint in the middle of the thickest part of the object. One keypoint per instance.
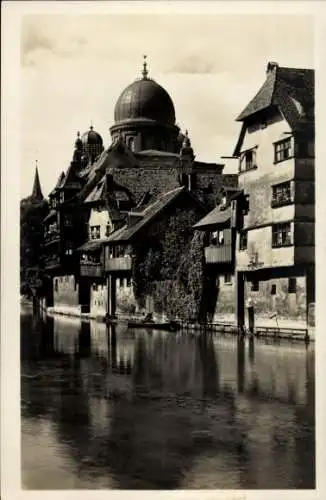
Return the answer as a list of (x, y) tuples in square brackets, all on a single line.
[(56, 284), (283, 150), (228, 279), (109, 228), (248, 160), (94, 287), (69, 248), (255, 286), (292, 286), (281, 194), (68, 221), (217, 237), (120, 282), (243, 240), (273, 290), (281, 235), (131, 143), (128, 282), (95, 232), (62, 197)]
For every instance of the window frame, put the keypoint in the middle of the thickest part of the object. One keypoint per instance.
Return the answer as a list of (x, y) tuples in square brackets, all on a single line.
[(245, 165), (281, 228), (292, 285), (279, 148), (97, 230), (228, 279), (255, 285), (242, 233), (284, 196)]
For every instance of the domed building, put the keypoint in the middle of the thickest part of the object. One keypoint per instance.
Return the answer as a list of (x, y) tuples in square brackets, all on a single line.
[(111, 198), (144, 117)]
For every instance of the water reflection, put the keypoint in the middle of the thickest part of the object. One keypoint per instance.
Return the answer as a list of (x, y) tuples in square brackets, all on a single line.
[(129, 409)]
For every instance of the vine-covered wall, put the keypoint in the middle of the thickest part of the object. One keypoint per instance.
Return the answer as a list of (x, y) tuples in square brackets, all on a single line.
[(169, 268)]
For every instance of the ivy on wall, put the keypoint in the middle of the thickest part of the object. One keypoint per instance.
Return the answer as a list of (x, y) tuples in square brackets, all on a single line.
[(31, 240), (170, 267)]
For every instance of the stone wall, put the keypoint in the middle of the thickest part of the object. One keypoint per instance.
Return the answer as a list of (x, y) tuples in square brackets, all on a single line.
[(65, 291), (99, 299), (271, 297), (283, 302)]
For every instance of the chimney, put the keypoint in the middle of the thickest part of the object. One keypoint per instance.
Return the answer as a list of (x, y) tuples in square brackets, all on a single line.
[(271, 67)]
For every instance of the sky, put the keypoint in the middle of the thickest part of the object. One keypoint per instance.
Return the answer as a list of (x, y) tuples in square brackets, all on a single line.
[(74, 67)]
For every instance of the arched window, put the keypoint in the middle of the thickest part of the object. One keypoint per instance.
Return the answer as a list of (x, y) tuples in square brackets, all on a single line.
[(131, 143)]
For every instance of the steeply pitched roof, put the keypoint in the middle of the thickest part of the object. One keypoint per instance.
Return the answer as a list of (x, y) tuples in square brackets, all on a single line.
[(98, 192), (59, 183), (147, 215), (37, 194), (290, 89), (71, 179)]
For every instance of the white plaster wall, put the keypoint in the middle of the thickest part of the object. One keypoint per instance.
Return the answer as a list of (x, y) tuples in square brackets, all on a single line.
[(99, 218), (99, 300)]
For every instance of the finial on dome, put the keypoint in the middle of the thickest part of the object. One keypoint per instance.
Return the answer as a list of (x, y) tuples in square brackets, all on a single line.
[(145, 70), (186, 140), (78, 134), (186, 149)]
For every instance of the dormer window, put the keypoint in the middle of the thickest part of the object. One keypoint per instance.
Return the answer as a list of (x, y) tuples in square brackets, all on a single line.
[(248, 160), (283, 150)]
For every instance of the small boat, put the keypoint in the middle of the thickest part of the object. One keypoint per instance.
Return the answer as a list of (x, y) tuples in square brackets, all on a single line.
[(112, 320), (171, 326)]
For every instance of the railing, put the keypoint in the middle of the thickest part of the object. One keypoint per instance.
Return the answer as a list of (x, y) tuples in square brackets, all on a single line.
[(118, 264), (51, 237), (51, 262), (217, 255), (91, 270)]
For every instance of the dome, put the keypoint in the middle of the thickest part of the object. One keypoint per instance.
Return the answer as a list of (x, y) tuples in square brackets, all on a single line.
[(91, 138), (145, 99)]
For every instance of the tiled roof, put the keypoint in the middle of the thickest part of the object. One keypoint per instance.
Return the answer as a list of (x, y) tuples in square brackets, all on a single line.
[(71, 180), (98, 192), (285, 88), (216, 216), (147, 215), (92, 244), (154, 152)]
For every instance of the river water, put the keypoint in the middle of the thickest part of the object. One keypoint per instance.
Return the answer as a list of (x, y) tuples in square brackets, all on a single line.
[(131, 409)]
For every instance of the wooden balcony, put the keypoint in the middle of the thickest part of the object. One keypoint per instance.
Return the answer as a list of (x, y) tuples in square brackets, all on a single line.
[(118, 264), (91, 270), (52, 262), (218, 254), (51, 238)]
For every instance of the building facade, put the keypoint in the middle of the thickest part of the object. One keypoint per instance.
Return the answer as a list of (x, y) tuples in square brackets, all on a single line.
[(109, 192), (274, 253)]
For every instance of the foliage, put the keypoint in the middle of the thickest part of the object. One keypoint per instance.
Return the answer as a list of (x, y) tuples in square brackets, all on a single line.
[(171, 269), (31, 240)]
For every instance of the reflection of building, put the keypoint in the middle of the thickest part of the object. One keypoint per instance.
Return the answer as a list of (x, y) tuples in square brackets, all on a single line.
[(197, 397), (111, 199), (274, 215)]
